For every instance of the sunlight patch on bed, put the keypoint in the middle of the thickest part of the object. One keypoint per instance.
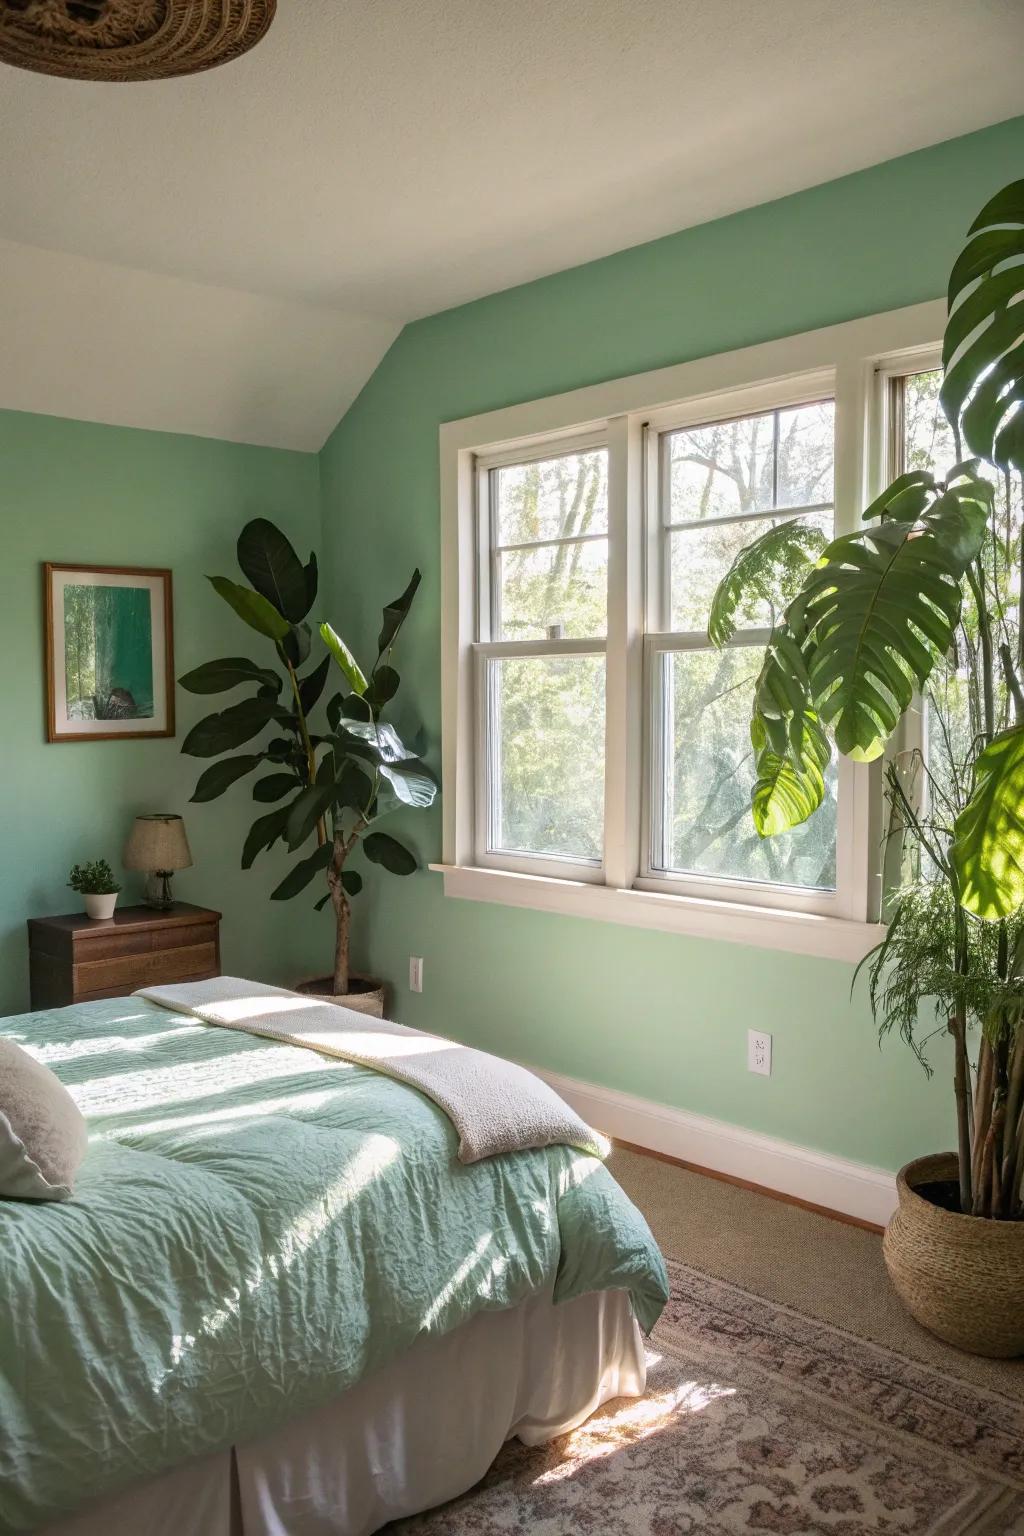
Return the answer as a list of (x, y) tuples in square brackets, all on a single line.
[(61, 1052), (451, 1287), (375, 1154)]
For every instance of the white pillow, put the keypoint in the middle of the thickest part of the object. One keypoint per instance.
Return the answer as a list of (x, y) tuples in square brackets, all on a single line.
[(42, 1132)]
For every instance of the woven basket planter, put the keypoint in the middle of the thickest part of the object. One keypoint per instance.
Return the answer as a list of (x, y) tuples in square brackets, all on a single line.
[(961, 1277), (129, 39), (370, 998)]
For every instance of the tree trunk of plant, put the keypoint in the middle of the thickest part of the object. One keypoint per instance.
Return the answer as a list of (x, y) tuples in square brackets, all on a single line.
[(343, 913), (962, 1090)]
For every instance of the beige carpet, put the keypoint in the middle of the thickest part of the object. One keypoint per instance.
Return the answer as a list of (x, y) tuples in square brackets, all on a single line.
[(824, 1268)]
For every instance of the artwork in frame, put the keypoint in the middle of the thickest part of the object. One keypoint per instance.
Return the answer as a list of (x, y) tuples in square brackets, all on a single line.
[(109, 652)]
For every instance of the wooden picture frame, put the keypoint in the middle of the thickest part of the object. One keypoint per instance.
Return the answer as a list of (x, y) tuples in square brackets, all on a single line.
[(109, 642)]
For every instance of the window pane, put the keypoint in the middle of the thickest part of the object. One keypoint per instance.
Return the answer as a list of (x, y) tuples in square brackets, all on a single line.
[(552, 499), (706, 699), (546, 724), (783, 458), (700, 558), (721, 470), (806, 458), (553, 591)]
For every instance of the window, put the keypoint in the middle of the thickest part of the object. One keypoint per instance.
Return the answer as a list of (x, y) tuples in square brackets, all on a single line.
[(543, 530), (720, 485), (596, 750)]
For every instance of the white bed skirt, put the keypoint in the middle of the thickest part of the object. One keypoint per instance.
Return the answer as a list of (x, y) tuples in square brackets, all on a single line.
[(419, 1432)]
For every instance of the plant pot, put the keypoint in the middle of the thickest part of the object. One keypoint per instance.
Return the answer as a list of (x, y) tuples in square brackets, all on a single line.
[(366, 994), (99, 905), (961, 1277)]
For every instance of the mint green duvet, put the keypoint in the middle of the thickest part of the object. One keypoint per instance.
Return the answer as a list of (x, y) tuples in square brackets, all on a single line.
[(254, 1229)]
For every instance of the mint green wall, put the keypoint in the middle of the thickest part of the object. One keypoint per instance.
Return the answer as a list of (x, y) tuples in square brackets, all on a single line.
[(111, 496), (649, 1013)]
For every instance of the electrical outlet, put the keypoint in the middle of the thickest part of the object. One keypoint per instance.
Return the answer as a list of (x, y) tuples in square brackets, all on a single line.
[(415, 973), (759, 1052)]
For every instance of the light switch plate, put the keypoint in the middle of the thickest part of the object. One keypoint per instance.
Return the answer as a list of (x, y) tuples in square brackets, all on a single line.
[(415, 973)]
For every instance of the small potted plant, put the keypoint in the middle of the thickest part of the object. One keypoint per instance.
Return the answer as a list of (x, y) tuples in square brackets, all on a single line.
[(97, 884)]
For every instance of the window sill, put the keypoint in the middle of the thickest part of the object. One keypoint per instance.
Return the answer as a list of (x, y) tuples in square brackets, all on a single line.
[(801, 933)]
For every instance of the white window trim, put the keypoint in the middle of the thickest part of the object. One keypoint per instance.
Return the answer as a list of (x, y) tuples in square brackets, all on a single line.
[(854, 357)]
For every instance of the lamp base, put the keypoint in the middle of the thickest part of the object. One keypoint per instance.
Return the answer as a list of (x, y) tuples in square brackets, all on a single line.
[(158, 891)]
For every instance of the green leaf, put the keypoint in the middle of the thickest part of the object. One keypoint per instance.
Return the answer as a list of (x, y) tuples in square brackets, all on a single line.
[(274, 569), (411, 782), (382, 740), (389, 853), (305, 811), (352, 789), (395, 615), (274, 787), (878, 612), (988, 835), (983, 348), (312, 685), (230, 728), (263, 833), (213, 781), (383, 687), (250, 606), (343, 656), (352, 881), (768, 570), (219, 676), (312, 582), (295, 645), (302, 873), (785, 793), (905, 498)]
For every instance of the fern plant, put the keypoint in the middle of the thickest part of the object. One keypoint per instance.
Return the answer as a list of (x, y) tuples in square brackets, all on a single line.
[(873, 623)]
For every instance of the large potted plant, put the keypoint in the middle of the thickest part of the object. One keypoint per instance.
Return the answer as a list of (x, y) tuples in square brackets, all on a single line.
[(924, 608), (331, 785)]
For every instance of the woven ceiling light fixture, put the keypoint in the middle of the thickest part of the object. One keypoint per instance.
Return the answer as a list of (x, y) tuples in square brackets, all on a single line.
[(129, 39)]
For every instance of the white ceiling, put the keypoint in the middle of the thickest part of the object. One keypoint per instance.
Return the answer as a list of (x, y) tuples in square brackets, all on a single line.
[(373, 162)]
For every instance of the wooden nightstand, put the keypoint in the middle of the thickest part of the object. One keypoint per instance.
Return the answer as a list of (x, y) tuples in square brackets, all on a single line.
[(74, 959)]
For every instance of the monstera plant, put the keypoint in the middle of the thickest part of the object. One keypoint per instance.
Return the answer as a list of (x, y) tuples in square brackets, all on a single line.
[(923, 608), (330, 786)]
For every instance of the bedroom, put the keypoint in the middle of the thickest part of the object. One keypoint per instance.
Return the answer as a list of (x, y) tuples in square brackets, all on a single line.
[(469, 316)]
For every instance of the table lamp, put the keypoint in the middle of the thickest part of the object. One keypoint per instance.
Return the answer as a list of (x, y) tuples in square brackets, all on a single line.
[(157, 844)]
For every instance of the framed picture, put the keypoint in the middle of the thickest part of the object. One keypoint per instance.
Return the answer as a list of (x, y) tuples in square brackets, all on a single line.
[(109, 652)]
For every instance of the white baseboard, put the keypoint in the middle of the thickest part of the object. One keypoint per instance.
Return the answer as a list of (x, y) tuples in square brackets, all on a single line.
[(854, 1189)]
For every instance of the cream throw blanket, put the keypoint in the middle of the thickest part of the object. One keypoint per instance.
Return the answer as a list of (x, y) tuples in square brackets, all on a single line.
[(494, 1105)]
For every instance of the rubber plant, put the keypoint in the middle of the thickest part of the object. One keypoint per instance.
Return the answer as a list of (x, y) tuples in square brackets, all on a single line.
[(872, 624), (329, 787)]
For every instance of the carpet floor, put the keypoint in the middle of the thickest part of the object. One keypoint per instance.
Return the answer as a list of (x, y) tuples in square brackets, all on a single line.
[(787, 1393)]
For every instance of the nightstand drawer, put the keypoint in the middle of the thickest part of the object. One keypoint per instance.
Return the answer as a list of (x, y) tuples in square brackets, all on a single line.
[(152, 969), (73, 960)]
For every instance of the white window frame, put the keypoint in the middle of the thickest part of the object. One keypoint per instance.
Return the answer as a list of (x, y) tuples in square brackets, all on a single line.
[(627, 415)]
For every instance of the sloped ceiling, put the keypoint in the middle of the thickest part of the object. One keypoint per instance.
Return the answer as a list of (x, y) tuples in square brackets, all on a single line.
[(232, 254)]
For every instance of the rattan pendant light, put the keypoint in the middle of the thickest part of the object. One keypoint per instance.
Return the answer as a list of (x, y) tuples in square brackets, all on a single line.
[(129, 39)]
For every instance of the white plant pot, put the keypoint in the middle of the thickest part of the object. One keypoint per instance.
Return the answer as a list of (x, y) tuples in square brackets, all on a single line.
[(98, 906)]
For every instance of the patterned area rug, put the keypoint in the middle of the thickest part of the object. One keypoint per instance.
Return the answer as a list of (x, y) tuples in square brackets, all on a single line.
[(760, 1420)]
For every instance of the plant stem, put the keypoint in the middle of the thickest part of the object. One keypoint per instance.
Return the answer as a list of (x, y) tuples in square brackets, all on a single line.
[(962, 1090), (321, 826)]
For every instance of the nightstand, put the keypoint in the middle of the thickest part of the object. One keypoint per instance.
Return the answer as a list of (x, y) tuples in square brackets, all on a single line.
[(75, 959)]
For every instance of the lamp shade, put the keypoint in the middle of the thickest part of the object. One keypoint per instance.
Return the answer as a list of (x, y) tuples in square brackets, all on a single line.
[(157, 841)]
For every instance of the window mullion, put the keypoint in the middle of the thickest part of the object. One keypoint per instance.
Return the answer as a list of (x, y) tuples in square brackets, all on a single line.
[(624, 666)]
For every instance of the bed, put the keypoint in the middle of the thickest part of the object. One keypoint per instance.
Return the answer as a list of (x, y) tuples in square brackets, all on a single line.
[(277, 1302)]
